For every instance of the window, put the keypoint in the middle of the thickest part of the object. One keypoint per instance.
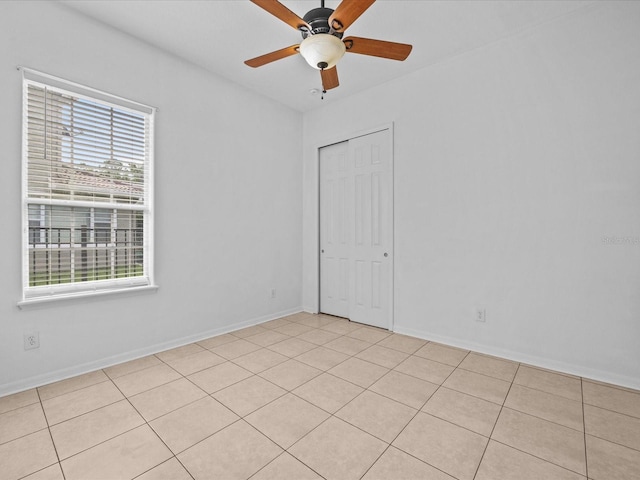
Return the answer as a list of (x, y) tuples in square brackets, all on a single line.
[(87, 192)]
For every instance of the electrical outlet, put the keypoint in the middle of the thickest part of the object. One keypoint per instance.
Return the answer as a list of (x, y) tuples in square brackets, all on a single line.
[(481, 315), (31, 340), (273, 293)]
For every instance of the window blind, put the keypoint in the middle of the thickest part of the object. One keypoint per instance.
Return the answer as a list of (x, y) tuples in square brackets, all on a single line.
[(87, 162)]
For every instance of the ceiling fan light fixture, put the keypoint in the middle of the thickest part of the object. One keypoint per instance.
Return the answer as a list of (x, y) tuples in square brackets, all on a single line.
[(322, 50)]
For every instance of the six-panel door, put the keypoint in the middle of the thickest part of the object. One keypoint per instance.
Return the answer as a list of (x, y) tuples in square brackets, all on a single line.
[(356, 229)]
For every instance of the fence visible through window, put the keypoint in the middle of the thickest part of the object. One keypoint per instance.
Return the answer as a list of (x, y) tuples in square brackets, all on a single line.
[(80, 254)]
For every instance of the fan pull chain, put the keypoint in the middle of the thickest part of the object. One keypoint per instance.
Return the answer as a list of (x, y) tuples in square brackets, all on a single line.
[(324, 90)]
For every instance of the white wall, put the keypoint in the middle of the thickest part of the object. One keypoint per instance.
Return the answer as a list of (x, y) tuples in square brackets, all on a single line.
[(228, 213), (512, 164)]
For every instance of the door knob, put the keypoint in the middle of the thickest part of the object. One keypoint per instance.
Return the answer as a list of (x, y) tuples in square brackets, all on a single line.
[(322, 251), (386, 254)]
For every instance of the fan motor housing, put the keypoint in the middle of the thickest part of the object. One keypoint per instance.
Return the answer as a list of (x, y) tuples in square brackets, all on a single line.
[(318, 20)]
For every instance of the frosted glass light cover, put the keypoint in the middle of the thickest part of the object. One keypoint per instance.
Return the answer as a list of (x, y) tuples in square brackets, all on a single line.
[(321, 49)]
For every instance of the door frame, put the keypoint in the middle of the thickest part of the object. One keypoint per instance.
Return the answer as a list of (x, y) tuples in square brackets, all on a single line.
[(344, 138)]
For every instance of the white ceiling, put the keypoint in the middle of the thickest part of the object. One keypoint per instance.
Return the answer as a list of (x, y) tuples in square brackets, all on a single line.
[(219, 35)]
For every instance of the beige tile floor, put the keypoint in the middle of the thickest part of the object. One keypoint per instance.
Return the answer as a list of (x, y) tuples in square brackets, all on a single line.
[(314, 396)]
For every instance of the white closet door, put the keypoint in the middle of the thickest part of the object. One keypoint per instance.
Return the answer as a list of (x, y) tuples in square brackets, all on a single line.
[(335, 173), (357, 214)]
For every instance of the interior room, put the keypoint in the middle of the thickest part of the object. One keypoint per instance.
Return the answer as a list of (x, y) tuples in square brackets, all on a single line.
[(508, 345)]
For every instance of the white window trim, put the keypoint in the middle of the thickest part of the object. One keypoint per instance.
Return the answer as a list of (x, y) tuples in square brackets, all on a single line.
[(62, 292)]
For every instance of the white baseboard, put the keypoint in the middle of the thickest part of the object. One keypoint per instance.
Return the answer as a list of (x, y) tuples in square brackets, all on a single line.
[(63, 374), (542, 362)]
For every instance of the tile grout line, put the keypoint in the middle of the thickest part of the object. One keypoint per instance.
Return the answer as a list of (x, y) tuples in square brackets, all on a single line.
[(107, 379), (447, 421), (55, 449), (560, 397), (419, 410), (633, 417), (125, 397), (240, 418), (347, 334), (147, 423), (539, 458), (285, 451), (88, 411), (322, 371), (81, 415), (367, 389), (529, 414), (349, 356), (584, 426), (518, 449), (331, 415), (496, 422)]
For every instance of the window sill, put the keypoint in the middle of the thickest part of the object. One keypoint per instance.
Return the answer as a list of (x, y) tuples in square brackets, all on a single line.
[(34, 301)]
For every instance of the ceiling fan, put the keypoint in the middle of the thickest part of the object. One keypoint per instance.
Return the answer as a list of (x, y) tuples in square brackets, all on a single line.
[(322, 44)]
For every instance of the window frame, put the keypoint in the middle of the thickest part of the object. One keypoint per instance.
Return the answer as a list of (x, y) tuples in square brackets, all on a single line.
[(68, 290)]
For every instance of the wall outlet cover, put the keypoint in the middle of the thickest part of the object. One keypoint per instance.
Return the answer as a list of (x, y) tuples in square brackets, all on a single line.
[(31, 340)]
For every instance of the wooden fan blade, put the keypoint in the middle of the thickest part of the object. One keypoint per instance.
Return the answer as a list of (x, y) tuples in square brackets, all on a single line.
[(347, 13), (273, 56), (329, 78), (377, 48), (275, 8)]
